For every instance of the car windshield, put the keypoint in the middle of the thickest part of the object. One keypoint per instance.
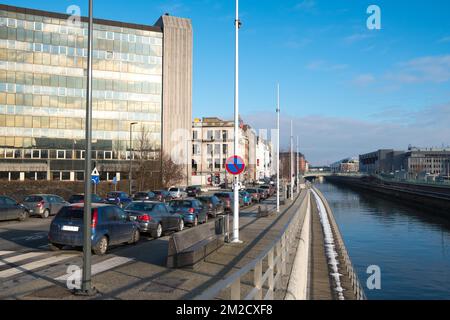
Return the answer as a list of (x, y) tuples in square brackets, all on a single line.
[(77, 197), (173, 190), (141, 194), (113, 195), (147, 207), (252, 191), (181, 204), (33, 199)]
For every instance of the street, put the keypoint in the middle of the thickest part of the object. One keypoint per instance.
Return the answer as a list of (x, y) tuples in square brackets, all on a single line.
[(27, 265)]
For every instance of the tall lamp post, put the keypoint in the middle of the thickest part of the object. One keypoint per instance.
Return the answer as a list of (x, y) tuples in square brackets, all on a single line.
[(86, 285), (278, 149), (237, 24), (130, 176)]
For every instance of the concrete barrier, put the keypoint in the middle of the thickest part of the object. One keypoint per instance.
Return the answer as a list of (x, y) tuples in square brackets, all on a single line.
[(191, 246), (298, 282)]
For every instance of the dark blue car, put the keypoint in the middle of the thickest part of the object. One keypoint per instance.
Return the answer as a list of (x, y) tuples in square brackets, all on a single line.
[(192, 210), (119, 198), (110, 226)]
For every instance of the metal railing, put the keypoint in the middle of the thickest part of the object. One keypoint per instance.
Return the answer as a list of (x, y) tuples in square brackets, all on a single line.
[(268, 267), (358, 291)]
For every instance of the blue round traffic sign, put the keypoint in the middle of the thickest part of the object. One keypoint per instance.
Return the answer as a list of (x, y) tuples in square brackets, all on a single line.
[(235, 165)]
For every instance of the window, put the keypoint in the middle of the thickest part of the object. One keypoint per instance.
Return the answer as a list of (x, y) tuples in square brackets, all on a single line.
[(225, 149), (225, 135), (36, 154), (217, 149), (209, 135), (108, 155), (217, 135), (195, 135), (60, 154), (38, 26)]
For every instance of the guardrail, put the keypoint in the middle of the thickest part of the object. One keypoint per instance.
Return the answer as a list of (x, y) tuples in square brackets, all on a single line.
[(268, 267), (354, 280)]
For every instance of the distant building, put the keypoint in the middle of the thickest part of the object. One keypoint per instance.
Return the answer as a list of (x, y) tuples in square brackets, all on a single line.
[(285, 164), (263, 159), (348, 165), (413, 164)]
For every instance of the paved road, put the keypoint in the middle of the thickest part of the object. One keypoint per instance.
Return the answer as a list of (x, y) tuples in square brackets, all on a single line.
[(28, 266)]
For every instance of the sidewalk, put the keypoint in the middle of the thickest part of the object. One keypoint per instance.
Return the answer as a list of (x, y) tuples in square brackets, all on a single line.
[(147, 279)]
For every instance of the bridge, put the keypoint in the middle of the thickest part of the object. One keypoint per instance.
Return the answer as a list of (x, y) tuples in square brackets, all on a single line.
[(283, 256)]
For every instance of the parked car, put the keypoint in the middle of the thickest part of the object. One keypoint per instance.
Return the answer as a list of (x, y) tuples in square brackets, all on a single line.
[(193, 191), (154, 218), (145, 196), (121, 199), (214, 205), (228, 200), (246, 198), (192, 210), (264, 193), (44, 205), (110, 226), (178, 193), (256, 196), (163, 195), (79, 198), (10, 209), (270, 190)]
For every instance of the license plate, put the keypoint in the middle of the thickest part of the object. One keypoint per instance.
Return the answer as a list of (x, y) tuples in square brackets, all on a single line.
[(70, 228)]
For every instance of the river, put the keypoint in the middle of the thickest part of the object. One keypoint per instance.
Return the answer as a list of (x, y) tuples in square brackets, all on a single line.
[(411, 246)]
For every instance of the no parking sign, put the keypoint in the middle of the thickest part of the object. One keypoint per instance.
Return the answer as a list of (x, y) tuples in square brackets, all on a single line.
[(235, 165)]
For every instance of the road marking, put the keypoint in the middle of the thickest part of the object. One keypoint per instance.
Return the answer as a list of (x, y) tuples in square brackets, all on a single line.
[(32, 237), (4, 253), (33, 265), (102, 266), (21, 257)]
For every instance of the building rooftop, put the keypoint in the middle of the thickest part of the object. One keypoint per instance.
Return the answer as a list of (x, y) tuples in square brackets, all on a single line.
[(83, 19)]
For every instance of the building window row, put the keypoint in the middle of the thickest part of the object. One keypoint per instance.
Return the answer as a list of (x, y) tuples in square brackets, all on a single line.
[(64, 29), (151, 56)]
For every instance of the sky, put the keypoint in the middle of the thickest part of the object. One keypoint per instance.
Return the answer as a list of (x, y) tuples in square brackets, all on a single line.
[(349, 90)]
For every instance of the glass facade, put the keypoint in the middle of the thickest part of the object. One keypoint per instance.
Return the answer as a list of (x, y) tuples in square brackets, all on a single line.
[(43, 97)]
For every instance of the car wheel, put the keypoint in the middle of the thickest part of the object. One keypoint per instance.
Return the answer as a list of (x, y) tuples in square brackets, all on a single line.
[(101, 247), (55, 247), (136, 237), (23, 215), (156, 234), (181, 225), (45, 214)]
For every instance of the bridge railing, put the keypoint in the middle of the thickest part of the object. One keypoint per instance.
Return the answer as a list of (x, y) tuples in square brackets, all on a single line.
[(354, 280), (268, 267)]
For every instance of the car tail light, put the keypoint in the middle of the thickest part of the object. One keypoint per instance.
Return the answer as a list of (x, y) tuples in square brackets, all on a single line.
[(145, 218), (191, 210), (94, 218), (41, 204)]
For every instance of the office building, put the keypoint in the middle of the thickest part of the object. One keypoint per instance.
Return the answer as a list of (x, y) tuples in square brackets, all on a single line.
[(141, 73)]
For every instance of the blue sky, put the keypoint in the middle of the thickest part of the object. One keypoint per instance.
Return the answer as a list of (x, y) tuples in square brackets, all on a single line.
[(349, 90)]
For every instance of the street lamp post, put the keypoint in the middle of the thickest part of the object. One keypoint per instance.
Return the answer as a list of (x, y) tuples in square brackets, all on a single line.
[(237, 24), (278, 149), (86, 285), (292, 160), (130, 178)]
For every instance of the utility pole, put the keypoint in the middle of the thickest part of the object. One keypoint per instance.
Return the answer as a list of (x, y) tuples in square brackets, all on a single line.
[(237, 24), (297, 177), (86, 285), (278, 148), (292, 159)]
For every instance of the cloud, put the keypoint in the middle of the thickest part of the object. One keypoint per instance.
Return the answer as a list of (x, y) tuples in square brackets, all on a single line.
[(305, 5), (444, 40), (363, 80), (434, 69), (321, 65), (357, 37), (328, 139), (297, 44)]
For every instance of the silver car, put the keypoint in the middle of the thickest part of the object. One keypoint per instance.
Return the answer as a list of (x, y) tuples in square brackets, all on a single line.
[(178, 193), (44, 205)]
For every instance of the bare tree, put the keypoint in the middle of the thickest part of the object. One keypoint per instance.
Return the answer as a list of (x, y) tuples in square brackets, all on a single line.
[(152, 170)]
